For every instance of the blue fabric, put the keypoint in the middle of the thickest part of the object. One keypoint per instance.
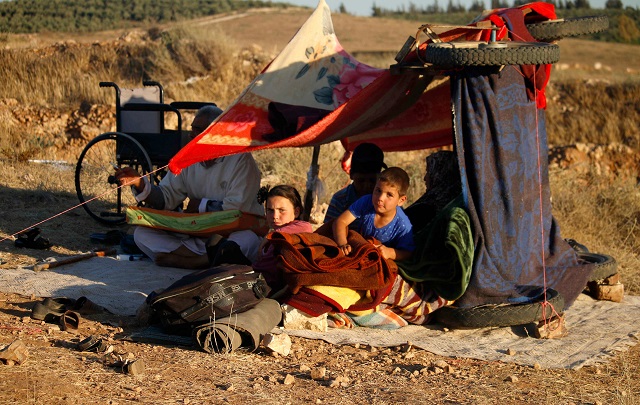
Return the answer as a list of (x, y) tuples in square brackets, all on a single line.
[(396, 234), (501, 144)]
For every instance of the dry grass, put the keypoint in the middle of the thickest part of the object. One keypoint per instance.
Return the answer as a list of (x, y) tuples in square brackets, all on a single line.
[(604, 215), (595, 112)]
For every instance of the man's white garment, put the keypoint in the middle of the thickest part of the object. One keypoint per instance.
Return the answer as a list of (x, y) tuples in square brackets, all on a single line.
[(233, 180)]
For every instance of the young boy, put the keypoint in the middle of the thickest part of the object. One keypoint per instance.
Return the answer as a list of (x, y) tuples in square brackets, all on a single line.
[(381, 217)]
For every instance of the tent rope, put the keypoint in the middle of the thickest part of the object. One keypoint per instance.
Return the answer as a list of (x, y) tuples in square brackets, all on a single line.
[(75, 206)]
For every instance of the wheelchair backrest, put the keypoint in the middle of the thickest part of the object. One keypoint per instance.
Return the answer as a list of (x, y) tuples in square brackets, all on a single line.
[(147, 122)]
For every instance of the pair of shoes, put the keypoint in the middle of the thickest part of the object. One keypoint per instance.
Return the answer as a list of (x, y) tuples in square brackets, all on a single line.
[(224, 251), (30, 239), (64, 318), (50, 309), (94, 344), (83, 305)]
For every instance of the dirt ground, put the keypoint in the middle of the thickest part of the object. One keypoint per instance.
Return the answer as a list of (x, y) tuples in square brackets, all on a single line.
[(56, 373)]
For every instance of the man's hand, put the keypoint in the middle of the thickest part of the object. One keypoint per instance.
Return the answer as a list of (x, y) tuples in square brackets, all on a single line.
[(129, 177), (193, 205)]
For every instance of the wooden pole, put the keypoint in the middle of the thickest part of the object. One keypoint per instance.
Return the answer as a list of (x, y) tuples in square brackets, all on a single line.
[(313, 174)]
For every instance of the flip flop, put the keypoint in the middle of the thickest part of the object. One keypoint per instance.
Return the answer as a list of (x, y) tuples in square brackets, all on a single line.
[(94, 344)]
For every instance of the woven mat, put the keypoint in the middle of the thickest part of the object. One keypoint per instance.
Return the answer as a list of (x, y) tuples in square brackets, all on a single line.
[(597, 329), (119, 286)]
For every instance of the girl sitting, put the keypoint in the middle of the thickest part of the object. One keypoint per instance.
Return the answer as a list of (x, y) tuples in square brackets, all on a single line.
[(283, 209)]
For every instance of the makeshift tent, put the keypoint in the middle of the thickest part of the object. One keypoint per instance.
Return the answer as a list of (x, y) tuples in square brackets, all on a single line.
[(314, 92)]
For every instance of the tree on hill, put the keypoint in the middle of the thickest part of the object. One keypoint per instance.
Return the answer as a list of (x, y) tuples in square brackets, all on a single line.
[(24, 16), (613, 4)]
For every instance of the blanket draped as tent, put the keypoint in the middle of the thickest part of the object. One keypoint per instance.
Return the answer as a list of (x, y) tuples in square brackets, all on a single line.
[(314, 73), (501, 144)]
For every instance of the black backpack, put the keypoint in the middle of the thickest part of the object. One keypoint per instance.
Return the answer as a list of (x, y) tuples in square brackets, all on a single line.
[(203, 296)]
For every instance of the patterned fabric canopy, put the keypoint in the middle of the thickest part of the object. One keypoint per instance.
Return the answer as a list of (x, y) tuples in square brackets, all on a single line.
[(314, 92)]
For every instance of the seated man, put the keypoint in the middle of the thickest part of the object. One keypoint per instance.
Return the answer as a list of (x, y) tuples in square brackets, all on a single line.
[(225, 183)]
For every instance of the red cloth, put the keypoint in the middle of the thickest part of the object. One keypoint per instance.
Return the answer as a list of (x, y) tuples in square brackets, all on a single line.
[(266, 263), (308, 259)]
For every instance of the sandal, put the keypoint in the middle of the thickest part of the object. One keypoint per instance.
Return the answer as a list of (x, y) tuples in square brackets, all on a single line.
[(30, 239), (128, 366), (94, 344)]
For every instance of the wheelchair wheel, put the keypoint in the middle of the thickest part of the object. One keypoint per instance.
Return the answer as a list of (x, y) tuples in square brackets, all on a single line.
[(471, 53), (96, 185)]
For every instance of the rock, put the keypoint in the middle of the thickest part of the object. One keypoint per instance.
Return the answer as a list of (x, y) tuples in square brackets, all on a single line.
[(512, 378), (603, 292), (280, 344), (511, 352), (553, 328), (304, 368), (16, 352), (441, 364), (293, 318), (318, 373), (340, 381), (289, 379)]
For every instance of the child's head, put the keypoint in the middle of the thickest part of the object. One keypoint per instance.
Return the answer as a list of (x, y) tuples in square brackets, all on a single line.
[(396, 177), (366, 163), (390, 190), (282, 204)]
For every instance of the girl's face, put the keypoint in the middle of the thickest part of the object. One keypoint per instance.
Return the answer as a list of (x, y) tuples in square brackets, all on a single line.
[(280, 211)]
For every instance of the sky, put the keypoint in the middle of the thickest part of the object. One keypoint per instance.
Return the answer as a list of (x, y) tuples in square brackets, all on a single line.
[(363, 7)]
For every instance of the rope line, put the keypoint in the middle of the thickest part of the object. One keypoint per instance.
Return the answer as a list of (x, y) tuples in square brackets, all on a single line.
[(545, 301), (77, 205)]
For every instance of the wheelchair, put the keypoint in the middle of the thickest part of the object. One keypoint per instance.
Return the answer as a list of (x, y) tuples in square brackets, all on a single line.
[(140, 141)]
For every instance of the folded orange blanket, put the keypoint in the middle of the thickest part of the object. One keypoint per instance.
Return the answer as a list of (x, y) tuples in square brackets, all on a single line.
[(309, 259)]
